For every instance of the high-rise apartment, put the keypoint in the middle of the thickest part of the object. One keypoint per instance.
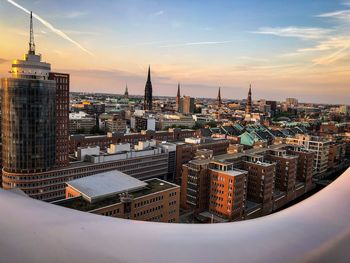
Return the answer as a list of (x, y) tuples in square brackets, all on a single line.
[(62, 117)]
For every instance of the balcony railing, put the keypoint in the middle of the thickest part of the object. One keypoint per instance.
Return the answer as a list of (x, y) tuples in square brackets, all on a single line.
[(315, 230)]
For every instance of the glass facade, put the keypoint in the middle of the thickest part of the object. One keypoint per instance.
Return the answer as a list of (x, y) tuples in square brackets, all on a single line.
[(28, 124)]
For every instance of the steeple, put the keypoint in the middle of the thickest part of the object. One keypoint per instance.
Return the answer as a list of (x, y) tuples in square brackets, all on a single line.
[(149, 74), (148, 92), (248, 108), (178, 98), (126, 93), (219, 98), (31, 38)]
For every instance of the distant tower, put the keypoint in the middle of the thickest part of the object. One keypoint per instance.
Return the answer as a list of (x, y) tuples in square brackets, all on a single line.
[(126, 93), (218, 99), (248, 108), (178, 98), (148, 92)]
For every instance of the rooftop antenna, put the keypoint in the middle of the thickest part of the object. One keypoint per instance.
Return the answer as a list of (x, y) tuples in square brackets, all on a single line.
[(31, 40)]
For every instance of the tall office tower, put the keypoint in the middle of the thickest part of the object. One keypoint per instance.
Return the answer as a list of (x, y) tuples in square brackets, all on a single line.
[(148, 92), (126, 93), (218, 99), (178, 98), (28, 116), (248, 108), (62, 117)]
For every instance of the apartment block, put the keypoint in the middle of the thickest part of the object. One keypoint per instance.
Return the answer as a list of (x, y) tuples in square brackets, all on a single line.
[(261, 181), (228, 189), (195, 185), (286, 171), (318, 145), (186, 151), (305, 165), (336, 154)]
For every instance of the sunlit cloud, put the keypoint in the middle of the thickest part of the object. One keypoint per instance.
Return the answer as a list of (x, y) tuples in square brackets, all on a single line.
[(332, 43), (306, 33), (51, 27)]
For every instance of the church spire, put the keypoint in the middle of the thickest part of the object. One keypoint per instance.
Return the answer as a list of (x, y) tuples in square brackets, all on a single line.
[(148, 92), (126, 93), (178, 98), (248, 108), (149, 74), (31, 38), (219, 98)]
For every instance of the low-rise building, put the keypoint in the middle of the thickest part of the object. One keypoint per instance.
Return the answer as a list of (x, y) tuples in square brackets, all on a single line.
[(116, 194), (81, 122), (168, 121), (115, 124)]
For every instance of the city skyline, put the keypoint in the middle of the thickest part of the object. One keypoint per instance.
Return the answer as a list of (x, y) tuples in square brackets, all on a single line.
[(306, 59)]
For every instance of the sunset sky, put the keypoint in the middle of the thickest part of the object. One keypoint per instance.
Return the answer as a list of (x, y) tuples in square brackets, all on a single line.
[(294, 48)]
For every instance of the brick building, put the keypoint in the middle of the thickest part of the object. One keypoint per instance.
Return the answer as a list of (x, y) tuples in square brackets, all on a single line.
[(227, 193), (286, 171), (305, 165), (62, 117), (261, 182), (118, 195)]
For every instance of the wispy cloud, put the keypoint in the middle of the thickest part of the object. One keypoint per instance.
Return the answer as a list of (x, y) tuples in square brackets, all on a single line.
[(51, 27), (342, 14), (75, 14), (203, 43), (306, 33), (338, 42), (159, 13), (327, 60)]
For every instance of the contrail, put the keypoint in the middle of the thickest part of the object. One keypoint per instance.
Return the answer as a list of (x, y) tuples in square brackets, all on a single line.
[(51, 27)]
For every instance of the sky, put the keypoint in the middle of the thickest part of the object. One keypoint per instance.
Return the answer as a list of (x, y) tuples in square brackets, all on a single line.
[(294, 48)]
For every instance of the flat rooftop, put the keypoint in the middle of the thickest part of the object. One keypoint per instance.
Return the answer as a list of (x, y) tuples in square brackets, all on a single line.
[(79, 203), (105, 184), (234, 172)]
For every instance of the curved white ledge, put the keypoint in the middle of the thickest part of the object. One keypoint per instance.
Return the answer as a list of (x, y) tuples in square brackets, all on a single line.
[(316, 229)]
